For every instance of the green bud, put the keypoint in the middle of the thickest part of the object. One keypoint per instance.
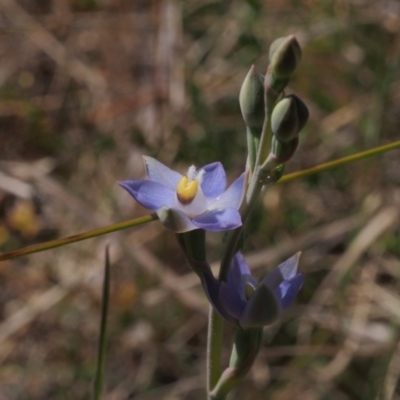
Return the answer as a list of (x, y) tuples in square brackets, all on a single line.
[(283, 151), (285, 56), (251, 99), (288, 118)]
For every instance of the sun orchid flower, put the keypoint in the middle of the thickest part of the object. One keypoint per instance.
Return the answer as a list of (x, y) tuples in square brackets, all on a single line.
[(195, 200), (249, 304)]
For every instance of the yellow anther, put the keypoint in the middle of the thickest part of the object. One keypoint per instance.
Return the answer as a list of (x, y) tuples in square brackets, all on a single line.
[(186, 190), (248, 290)]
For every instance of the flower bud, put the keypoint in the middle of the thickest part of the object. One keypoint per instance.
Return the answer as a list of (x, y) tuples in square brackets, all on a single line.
[(285, 56), (283, 151), (251, 99), (288, 118)]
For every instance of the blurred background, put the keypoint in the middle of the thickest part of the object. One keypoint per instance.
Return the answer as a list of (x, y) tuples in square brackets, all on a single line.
[(89, 86)]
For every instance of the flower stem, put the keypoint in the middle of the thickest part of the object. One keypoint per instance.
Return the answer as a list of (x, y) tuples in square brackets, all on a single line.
[(214, 345), (233, 238), (76, 238)]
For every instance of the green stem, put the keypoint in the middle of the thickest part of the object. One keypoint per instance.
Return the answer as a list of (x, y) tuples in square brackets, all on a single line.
[(253, 142), (214, 345), (233, 237), (341, 161), (265, 140), (76, 238), (271, 94)]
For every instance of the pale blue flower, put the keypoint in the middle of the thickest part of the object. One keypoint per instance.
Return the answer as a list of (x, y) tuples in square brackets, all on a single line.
[(183, 203)]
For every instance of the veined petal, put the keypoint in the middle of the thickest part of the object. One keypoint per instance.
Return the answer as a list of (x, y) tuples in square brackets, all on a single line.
[(150, 194), (214, 180), (231, 300), (237, 271), (284, 271), (232, 197), (288, 289), (261, 309), (175, 220), (160, 173), (218, 220)]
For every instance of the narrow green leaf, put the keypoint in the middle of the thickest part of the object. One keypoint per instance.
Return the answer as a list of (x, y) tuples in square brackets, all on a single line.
[(102, 346), (52, 244)]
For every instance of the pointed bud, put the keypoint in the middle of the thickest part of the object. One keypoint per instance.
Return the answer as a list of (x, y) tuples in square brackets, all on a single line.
[(288, 118), (285, 56), (283, 151), (251, 99)]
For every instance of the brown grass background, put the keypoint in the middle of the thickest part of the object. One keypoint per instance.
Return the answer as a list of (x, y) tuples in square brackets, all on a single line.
[(89, 86)]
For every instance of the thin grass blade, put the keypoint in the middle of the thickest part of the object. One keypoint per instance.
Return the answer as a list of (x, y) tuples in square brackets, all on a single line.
[(102, 346)]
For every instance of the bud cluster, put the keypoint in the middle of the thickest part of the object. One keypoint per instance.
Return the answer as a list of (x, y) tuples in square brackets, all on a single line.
[(273, 120)]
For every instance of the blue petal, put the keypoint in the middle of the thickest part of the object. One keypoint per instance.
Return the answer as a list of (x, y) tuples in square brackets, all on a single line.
[(262, 308), (237, 271), (160, 173), (232, 197), (175, 220), (284, 271), (289, 267), (231, 300), (214, 180), (212, 287), (150, 194), (288, 289), (218, 220)]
